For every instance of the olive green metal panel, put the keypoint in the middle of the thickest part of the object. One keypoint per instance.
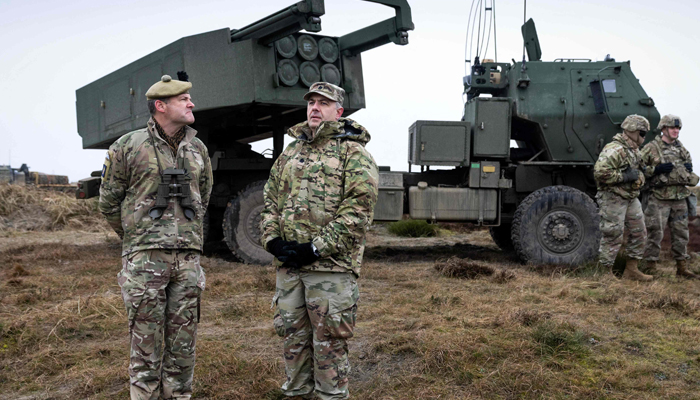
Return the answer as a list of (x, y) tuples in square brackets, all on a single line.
[(491, 127), (390, 179), (389, 205), (224, 74), (453, 204), (558, 98), (532, 42), (118, 102), (439, 143), (484, 174), (241, 78)]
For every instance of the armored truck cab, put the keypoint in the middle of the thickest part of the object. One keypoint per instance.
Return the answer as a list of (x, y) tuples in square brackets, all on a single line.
[(248, 86), (523, 152)]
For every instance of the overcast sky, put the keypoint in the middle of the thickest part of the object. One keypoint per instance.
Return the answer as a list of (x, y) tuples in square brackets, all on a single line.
[(50, 49)]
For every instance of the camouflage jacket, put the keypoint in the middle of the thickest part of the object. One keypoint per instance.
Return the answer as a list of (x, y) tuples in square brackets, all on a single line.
[(323, 189), (130, 179), (616, 156), (671, 186)]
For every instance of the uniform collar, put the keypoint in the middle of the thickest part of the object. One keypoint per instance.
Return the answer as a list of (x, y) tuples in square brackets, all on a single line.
[(190, 133)]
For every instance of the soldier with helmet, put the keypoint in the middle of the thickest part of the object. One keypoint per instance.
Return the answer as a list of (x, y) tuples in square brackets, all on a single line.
[(669, 170), (619, 178), (156, 184)]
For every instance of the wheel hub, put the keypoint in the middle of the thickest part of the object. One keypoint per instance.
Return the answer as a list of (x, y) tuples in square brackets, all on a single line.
[(253, 225), (560, 231)]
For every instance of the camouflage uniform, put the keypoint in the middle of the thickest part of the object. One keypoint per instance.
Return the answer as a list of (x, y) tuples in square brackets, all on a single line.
[(618, 203), (667, 199), (322, 189), (161, 278)]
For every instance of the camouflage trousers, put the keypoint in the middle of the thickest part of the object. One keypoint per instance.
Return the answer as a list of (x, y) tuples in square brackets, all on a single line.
[(161, 290), (656, 215), (316, 316), (616, 214)]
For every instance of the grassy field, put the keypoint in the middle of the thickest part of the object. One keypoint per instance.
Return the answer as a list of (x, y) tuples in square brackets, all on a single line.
[(450, 317)]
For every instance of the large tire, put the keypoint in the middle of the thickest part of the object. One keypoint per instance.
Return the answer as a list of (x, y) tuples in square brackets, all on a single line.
[(501, 235), (556, 225), (242, 225)]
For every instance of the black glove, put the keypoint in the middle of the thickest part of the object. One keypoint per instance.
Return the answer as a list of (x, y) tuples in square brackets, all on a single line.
[(630, 175), (689, 166), (281, 249), (303, 255), (664, 168)]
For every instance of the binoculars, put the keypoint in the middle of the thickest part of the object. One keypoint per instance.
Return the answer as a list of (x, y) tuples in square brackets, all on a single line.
[(174, 184)]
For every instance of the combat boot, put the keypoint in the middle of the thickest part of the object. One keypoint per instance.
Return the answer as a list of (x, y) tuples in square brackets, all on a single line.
[(651, 267), (633, 273), (682, 270)]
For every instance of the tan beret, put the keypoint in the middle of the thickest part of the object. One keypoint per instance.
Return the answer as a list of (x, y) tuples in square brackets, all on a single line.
[(167, 87)]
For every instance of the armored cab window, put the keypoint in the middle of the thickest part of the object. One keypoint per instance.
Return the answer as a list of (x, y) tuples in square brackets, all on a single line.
[(609, 86)]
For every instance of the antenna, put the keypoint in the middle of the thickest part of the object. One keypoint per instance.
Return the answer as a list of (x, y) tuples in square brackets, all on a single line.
[(478, 35), (495, 46), (524, 21)]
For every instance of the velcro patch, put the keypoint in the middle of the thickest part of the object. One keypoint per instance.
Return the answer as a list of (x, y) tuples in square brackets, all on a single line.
[(105, 167)]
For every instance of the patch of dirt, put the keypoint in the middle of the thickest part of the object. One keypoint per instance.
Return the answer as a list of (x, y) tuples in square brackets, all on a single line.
[(475, 244)]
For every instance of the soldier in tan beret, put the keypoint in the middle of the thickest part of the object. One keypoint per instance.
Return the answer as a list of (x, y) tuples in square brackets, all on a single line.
[(161, 277)]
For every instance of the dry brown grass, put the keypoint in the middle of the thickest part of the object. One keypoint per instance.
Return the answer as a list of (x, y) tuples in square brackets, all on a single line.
[(26, 208), (455, 267), (519, 333)]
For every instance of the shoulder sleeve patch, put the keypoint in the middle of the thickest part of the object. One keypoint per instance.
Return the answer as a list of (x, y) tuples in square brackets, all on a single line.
[(106, 166)]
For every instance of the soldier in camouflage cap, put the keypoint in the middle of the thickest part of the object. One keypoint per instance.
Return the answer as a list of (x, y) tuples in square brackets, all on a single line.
[(619, 178), (669, 170), (161, 277), (319, 203)]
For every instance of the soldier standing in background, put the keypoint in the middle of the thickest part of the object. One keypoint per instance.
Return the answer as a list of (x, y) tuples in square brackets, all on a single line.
[(619, 179), (155, 189), (319, 203), (668, 168)]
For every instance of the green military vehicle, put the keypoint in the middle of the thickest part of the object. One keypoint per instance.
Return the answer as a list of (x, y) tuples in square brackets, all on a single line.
[(522, 154), (248, 86)]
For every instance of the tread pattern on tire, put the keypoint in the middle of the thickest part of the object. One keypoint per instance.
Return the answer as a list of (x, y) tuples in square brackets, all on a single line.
[(501, 235), (587, 250), (243, 249)]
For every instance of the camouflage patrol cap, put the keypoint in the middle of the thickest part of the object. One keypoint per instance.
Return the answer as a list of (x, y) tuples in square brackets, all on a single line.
[(167, 87), (327, 90), (670, 120), (635, 122)]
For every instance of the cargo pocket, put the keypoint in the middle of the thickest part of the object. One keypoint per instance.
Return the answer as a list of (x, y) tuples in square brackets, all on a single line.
[(132, 293), (342, 312), (277, 321)]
